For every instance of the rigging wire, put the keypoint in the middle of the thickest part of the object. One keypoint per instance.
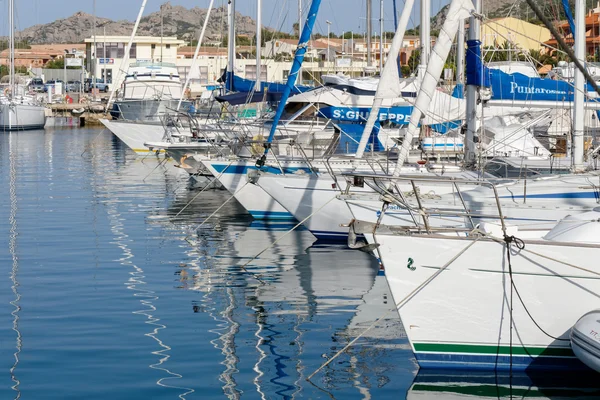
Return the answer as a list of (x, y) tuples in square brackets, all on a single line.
[(561, 42)]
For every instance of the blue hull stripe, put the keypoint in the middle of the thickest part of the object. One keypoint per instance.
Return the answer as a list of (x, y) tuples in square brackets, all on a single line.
[(572, 195), (496, 362), (243, 169), (271, 214)]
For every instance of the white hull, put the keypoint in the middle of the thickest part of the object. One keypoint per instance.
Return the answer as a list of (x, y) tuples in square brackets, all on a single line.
[(461, 319), (134, 135), (314, 196), (253, 198), (22, 117)]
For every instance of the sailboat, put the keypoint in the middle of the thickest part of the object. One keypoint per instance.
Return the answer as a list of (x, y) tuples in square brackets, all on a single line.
[(490, 294), (18, 111)]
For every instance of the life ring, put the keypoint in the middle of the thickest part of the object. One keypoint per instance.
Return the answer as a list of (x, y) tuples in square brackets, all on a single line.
[(6, 91)]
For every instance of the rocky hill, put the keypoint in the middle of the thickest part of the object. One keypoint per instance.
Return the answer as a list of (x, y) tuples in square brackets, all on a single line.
[(177, 21)]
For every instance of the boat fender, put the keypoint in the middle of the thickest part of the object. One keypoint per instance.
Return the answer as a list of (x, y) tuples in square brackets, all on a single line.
[(585, 339)]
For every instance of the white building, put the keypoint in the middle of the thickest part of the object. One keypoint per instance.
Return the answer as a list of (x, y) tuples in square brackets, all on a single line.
[(212, 61), (106, 57)]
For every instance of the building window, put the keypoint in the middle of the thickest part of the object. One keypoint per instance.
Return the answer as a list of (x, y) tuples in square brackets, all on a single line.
[(168, 46), (201, 78), (286, 73), (153, 46), (108, 72), (133, 51), (120, 50), (250, 71), (114, 50)]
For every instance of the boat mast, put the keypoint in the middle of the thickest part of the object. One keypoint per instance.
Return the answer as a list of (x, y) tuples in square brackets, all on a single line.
[(579, 96), (472, 92), (94, 56), (117, 80), (195, 59), (299, 31), (369, 33), (389, 79), (257, 87), (460, 55), (425, 36), (311, 17), (458, 9), (11, 44), (230, 44), (380, 36)]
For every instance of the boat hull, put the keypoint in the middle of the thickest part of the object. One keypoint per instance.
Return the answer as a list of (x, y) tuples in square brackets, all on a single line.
[(462, 318), (18, 117), (134, 135), (233, 176)]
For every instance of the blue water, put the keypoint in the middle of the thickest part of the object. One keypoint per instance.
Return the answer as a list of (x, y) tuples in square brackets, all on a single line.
[(109, 291), (102, 297)]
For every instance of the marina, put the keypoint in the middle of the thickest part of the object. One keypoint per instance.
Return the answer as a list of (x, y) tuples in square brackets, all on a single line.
[(425, 228)]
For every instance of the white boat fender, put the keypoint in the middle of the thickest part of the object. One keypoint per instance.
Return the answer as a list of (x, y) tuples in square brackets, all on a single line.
[(585, 339)]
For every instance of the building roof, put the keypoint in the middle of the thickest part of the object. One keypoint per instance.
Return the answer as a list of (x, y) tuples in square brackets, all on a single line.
[(44, 50)]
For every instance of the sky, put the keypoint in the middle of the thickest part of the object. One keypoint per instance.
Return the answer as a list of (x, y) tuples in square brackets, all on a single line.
[(344, 15)]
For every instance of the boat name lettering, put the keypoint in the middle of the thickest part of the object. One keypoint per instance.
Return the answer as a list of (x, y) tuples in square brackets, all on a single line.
[(351, 115), (516, 88), (410, 264)]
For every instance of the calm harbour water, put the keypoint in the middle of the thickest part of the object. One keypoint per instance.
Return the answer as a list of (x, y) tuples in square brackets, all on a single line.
[(105, 292)]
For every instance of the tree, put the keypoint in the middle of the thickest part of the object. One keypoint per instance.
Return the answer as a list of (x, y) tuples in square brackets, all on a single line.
[(413, 61), (4, 70), (23, 44), (58, 63), (295, 27)]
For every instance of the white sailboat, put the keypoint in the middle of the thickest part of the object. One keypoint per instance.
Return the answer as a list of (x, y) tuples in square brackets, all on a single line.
[(18, 110), (491, 295)]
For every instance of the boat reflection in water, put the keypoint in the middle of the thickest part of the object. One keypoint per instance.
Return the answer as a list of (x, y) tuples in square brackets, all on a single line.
[(450, 385), (12, 246), (288, 310)]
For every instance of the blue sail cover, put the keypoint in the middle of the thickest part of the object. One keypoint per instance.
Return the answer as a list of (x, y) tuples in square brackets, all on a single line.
[(515, 86), (247, 85), (569, 15), (244, 91), (519, 87)]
